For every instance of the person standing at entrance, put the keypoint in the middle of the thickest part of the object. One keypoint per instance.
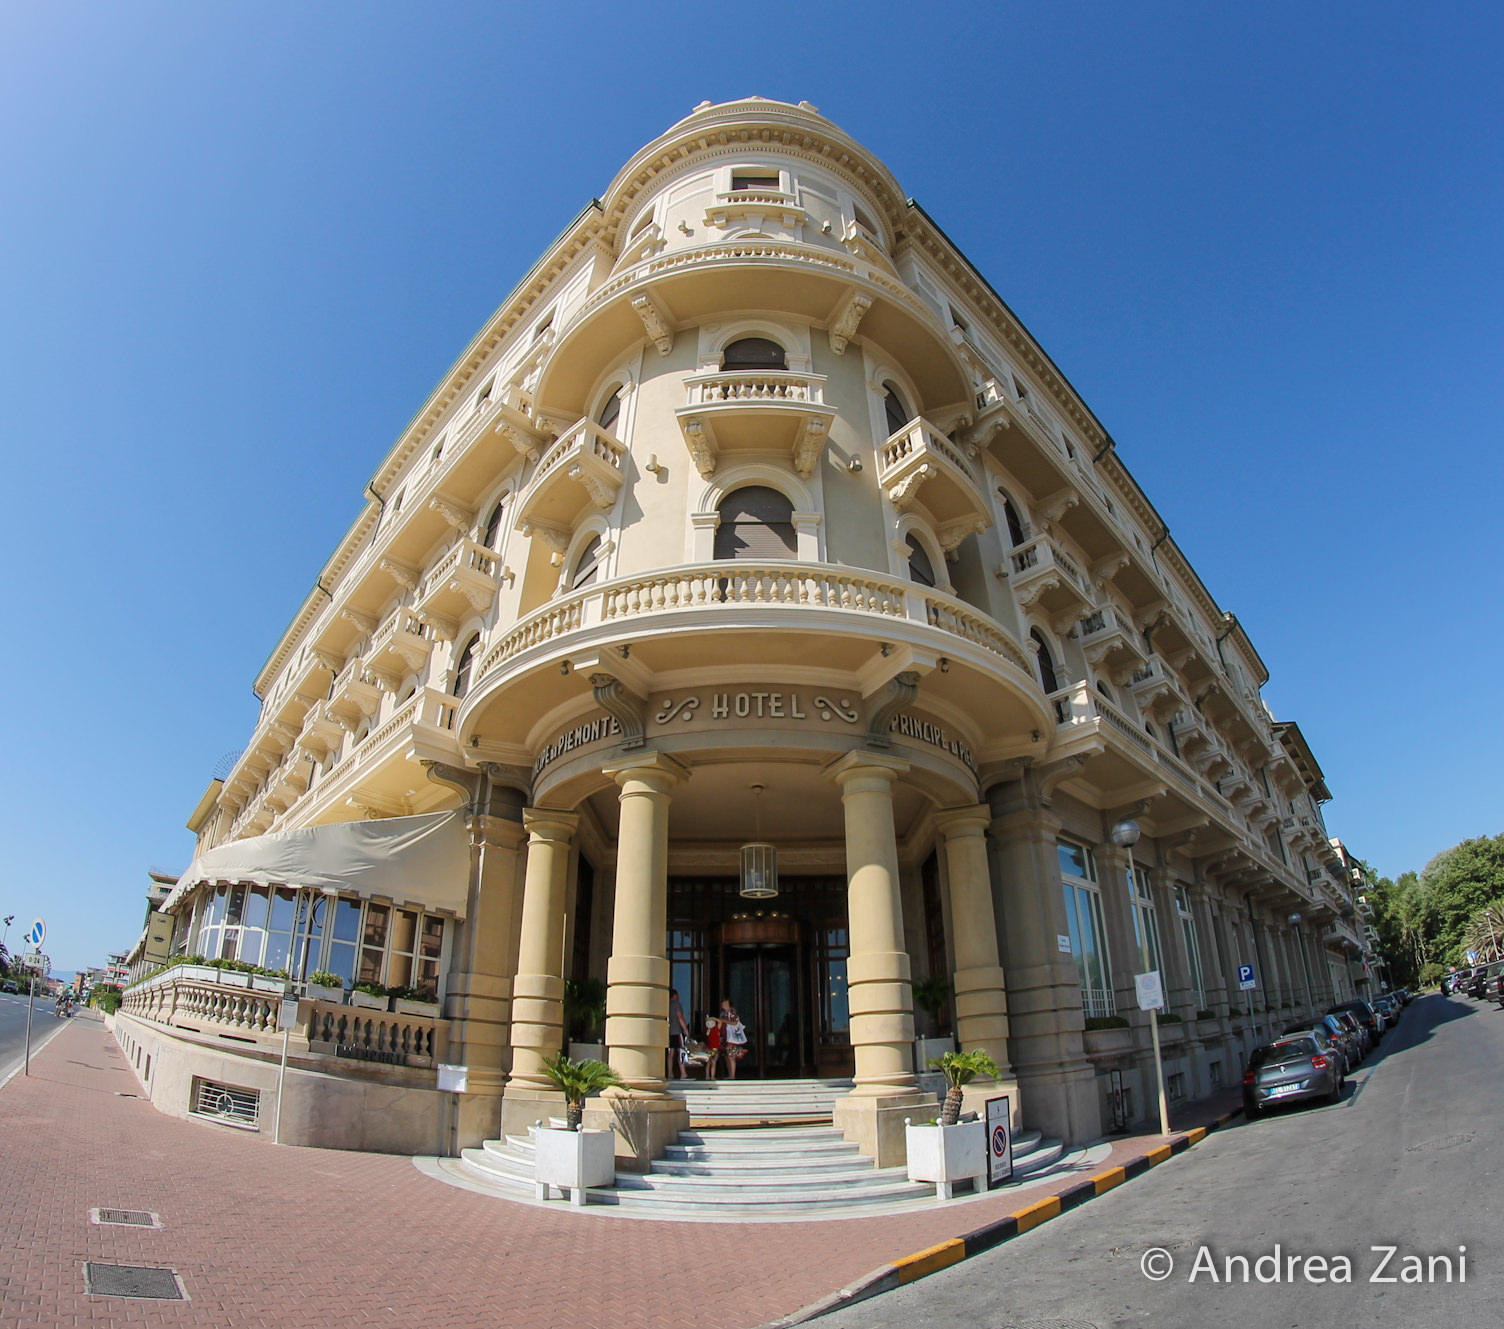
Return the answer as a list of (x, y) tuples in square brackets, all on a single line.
[(735, 1040), (678, 1033)]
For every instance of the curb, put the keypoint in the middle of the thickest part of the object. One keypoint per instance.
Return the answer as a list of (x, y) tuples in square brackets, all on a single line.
[(886, 1277)]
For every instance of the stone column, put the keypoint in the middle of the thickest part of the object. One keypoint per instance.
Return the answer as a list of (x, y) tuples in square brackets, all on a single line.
[(1123, 951), (478, 1003), (1057, 1083), (646, 1117), (878, 973), (538, 990), (981, 1000)]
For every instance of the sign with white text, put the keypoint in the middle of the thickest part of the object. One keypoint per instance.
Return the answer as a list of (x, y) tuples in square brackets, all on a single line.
[(1151, 991), (1246, 979), (999, 1142)]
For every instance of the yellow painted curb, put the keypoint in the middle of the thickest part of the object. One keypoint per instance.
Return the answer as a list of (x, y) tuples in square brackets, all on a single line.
[(1196, 1136), (1158, 1156), (1107, 1180), (1039, 1213), (929, 1261)]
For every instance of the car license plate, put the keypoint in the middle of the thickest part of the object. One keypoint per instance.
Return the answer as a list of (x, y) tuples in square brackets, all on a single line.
[(1280, 1090)]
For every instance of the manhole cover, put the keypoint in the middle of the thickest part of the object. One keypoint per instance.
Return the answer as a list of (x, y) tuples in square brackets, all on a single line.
[(132, 1280), (1440, 1142), (125, 1217)]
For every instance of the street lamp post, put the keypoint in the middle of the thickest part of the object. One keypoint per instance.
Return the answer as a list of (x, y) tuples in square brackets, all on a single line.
[(1125, 835)]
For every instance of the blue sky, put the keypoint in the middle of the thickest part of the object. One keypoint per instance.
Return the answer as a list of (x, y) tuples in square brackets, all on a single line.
[(241, 243)]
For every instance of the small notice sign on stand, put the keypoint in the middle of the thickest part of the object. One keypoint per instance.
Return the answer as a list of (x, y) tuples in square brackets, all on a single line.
[(999, 1142)]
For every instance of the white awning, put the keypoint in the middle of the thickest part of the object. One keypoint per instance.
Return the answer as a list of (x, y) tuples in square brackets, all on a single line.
[(420, 860)]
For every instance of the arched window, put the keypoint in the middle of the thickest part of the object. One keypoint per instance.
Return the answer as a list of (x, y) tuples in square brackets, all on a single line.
[(1047, 679), (610, 410), (921, 569), (753, 353), (493, 524), (1015, 527), (462, 670), (756, 522), (897, 412), (588, 565)]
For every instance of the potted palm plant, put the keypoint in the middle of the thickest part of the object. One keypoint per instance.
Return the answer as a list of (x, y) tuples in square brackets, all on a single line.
[(574, 1159), (949, 1150)]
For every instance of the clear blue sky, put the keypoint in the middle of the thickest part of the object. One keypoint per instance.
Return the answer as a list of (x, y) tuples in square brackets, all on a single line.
[(242, 242)]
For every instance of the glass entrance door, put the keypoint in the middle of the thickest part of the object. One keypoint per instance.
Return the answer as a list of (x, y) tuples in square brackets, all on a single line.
[(762, 981)]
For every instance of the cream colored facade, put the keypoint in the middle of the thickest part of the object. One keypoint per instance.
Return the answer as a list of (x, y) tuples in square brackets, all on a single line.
[(755, 482)]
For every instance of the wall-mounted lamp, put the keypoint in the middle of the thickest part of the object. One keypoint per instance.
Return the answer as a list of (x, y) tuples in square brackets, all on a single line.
[(885, 649), (826, 228), (1001, 572), (684, 226), (563, 666), (652, 467), (944, 665), (854, 465), (508, 576), (626, 651), (1033, 735)]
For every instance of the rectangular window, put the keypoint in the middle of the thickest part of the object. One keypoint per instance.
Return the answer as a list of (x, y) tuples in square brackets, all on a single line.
[(762, 181), (399, 970), (1083, 915), (373, 942), (1192, 947), (1145, 923), (280, 927)]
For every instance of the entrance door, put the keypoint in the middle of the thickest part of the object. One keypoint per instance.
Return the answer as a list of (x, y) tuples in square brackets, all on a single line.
[(761, 971), (763, 984)]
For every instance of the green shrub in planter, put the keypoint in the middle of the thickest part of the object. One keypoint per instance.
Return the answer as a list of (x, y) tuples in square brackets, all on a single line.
[(1206, 1015), (1167, 1017), (371, 989), (1095, 1022), (324, 979)]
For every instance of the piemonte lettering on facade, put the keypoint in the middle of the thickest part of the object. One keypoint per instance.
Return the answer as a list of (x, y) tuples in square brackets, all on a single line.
[(752, 520)]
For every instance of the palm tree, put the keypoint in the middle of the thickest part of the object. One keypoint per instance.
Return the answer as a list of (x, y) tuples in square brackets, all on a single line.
[(960, 1069), (577, 1081)]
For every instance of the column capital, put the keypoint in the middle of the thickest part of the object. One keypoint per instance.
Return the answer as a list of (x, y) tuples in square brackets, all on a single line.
[(549, 824), (872, 769), (971, 820), (500, 832), (657, 770)]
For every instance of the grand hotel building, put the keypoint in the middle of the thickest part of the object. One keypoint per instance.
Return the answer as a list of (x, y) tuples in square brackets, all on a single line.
[(753, 517)]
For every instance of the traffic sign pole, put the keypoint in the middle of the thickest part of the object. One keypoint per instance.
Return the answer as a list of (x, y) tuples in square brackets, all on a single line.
[(31, 1000)]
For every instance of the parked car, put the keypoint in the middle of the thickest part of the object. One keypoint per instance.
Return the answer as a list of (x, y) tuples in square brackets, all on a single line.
[(1365, 1015), (9, 986), (1331, 1036), (1291, 1070), (1355, 1027), (1388, 1008)]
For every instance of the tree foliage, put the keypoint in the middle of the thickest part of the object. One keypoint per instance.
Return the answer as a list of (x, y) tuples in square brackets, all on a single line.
[(1453, 905)]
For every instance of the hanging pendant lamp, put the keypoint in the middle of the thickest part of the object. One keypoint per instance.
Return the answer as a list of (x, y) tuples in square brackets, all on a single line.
[(759, 880)]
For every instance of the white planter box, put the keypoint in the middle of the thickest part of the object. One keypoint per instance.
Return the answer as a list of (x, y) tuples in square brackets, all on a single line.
[(927, 1049), (406, 1006), (367, 1002), (233, 978), (317, 992), (945, 1155), (265, 983), (587, 1052), (204, 973), (573, 1161)]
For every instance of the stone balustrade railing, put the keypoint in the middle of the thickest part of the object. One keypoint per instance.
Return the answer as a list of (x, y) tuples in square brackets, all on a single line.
[(757, 385)]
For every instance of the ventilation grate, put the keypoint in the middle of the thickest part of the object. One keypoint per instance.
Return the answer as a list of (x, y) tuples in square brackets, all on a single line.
[(226, 1102), (124, 1217), (132, 1280)]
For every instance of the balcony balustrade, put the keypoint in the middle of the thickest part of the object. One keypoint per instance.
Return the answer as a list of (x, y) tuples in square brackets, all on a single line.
[(354, 694), (582, 470), (1111, 643), (765, 409), (461, 583), (738, 589), (1044, 575), (918, 462), (1158, 695), (400, 644)]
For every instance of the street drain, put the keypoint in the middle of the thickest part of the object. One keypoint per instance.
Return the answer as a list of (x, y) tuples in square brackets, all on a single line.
[(1049, 1324), (125, 1217), (132, 1280), (1440, 1142)]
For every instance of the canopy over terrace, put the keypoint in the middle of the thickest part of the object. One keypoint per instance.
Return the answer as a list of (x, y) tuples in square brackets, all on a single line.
[(423, 858)]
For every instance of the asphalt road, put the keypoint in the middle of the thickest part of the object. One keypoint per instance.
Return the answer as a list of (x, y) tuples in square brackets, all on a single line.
[(44, 1024), (1410, 1158)]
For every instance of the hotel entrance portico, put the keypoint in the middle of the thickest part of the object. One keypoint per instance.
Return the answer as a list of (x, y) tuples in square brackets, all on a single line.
[(851, 792)]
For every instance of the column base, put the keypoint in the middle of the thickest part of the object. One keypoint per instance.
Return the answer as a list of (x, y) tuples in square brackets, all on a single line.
[(478, 1119), (645, 1125), (522, 1105), (1064, 1104), (875, 1123)]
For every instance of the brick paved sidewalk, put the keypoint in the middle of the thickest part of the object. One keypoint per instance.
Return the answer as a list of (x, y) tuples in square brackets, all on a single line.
[(287, 1237)]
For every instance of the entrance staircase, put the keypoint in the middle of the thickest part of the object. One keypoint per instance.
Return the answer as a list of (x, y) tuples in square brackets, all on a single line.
[(754, 1149)]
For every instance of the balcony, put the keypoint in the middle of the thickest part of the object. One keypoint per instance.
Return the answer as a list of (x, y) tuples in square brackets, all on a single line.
[(582, 470), (1044, 576), (920, 461), (461, 583), (1111, 644), (764, 409), (354, 695), (400, 644), (1157, 694), (752, 207)]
